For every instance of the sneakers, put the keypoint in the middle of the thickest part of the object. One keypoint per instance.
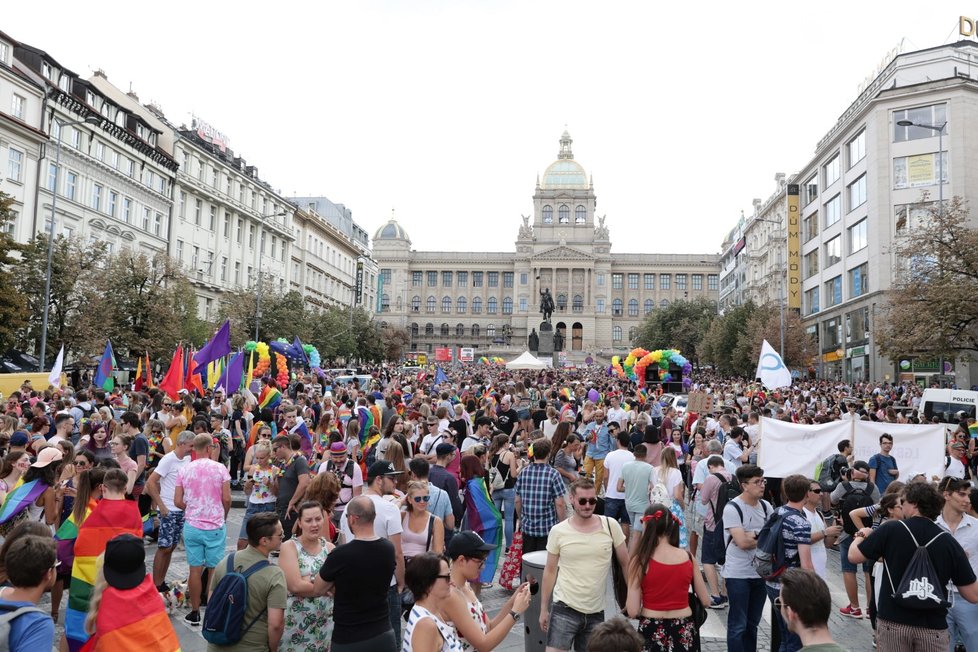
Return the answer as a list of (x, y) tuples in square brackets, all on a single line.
[(852, 612), (192, 619), (717, 602)]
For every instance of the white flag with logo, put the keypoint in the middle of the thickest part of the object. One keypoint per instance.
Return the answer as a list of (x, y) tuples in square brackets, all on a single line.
[(771, 369), (55, 377)]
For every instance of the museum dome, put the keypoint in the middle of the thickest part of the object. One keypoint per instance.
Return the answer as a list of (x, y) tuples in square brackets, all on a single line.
[(391, 231), (565, 172)]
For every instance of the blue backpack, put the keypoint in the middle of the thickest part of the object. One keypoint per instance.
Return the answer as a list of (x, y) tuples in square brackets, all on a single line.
[(226, 608)]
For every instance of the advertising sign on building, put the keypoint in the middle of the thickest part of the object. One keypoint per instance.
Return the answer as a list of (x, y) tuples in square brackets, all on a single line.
[(466, 354), (443, 354), (359, 287), (794, 248), (210, 134)]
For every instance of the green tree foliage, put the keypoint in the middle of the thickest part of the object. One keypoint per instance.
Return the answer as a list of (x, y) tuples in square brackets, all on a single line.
[(682, 325), (722, 338), (13, 306)]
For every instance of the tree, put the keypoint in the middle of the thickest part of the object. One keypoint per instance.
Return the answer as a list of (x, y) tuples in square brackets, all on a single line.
[(281, 315), (765, 324), (681, 325), (13, 305), (931, 307), (722, 338), (395, 340)]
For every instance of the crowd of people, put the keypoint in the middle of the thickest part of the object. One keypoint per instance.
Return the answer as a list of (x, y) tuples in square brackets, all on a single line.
[(375, 515)]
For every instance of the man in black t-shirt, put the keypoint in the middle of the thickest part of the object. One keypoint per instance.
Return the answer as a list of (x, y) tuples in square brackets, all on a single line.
[(900, 628), (359, 573), (506, 416)]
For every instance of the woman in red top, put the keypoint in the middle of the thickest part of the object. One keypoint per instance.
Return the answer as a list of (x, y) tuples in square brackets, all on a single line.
[(659, 576)]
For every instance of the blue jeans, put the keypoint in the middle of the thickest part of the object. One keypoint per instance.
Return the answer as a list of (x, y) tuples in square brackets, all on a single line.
[(789, 640), (505, 503), (962, 622), (394, 604), (747, 597)]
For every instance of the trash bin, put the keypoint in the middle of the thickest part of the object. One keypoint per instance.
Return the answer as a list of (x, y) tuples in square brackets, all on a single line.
[(534, 640)]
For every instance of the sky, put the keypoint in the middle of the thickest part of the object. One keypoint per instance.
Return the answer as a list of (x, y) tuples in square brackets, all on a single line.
[(445, 112)]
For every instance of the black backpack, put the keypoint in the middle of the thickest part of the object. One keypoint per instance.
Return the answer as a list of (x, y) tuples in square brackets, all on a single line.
[(728, 490), (920, 587), (829, 472), (854, 498)]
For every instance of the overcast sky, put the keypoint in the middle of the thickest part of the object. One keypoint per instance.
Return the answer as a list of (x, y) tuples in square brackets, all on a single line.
[(447, 111)]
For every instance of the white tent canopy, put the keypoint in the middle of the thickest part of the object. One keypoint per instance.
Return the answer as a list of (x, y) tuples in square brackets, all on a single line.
[(526, 361)]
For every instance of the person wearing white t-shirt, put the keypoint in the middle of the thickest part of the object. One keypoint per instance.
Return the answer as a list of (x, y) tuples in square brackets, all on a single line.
[(616, 414), (614, 500), (820, 532), (161, 487), (734, 450)]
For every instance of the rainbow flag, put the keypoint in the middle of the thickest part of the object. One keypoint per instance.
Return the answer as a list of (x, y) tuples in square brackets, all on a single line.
[(66, 535), (270, 397), (973, 430), (22, 495), (133, 620), (109, 519), (365, 419), (483, 517), (566, 393)]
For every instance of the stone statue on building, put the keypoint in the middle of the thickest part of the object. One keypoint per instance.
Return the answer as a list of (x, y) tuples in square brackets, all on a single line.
[(558, 341), (526, 231), (533, 341), (601, 232), (546, 304)]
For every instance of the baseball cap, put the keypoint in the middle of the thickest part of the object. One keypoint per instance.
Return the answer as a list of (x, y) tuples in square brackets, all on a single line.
[(48, 455), (444, 449), (19, 438), (125, 562), (381, 468), (467, 544)]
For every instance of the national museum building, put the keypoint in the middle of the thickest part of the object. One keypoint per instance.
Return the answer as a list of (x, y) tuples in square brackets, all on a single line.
[(491, 300)]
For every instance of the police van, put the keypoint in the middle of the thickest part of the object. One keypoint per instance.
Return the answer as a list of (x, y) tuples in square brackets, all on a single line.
[(950, 406)]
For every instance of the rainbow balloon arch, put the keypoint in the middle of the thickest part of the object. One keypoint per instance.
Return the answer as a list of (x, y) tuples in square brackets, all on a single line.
[(634, 366), (284, 352), (493, 360)]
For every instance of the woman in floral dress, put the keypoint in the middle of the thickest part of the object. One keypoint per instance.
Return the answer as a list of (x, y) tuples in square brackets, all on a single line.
[(308, 619)]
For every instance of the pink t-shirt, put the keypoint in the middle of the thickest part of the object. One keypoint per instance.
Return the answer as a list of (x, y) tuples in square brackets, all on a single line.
[(203, 490)]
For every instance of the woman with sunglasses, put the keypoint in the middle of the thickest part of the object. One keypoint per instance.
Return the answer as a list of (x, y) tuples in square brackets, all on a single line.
[(423, 531), (259, 478), (427, 630), (264, 434)]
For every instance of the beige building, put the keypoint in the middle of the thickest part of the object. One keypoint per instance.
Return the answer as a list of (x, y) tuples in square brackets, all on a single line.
[(491, 300)]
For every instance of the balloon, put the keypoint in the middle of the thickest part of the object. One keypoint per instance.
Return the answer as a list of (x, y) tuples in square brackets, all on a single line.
[(593, 395)]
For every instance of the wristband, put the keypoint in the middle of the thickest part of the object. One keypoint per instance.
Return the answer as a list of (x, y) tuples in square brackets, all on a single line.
[(515, 616)]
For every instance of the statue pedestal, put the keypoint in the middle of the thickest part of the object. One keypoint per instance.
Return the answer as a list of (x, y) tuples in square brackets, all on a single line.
[(546, 346)]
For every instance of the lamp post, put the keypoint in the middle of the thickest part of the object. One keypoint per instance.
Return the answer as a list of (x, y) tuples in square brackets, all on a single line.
[(261, 251), (92, 119), (940, 156), (781, 284)]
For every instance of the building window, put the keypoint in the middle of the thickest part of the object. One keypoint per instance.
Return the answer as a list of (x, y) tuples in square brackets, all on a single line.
[(832, 171), (198, 211), (415, 303), (563, 214), (665, 280), (599, 306), (477, 305), (832, 334), (664, 303), (859, 280), (179, 251), (811, 190), (809, 227), (158, 224), (213, 226), (18, 107), (414, 330), (416, 279), (920, 170), (224, 268), (113, 202), (492, 279), (935, 114), (913, 215), (127, 210), (833, 251), (616, 334), (491, 330), (632, 281), (548, 214), (507, 279), (461, 305), (858, 236), (475, 330), (460, 330), (227, 224), (147, 216), (857, 325), (52, 176), (429, 329), (477, 279), (680, 281), (633, 307), (430, 304), (833, 292), (524, 305), (578, 304), (811, 263), (713, 282), (648, 306), (616, 281), (697, 281), (71, 182), (237, 273), (446, 304), (432, 279), (833, 211), (580, 215), (616, 307), (648, 281), (856, 148), (508, 305), (462, 279), (15, 164), (857, 193), (632, 332), (446, 279), (491, 306), (524, 278), (561, 302)]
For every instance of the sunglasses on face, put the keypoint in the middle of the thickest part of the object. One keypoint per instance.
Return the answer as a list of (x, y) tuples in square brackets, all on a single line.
[(587, 501), (156, 432), (420, 499), (816, 490)]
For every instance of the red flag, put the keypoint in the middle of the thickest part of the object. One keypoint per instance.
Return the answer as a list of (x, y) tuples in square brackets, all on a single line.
[(172, 382), (191, 381), (138, 385), (149, 372)]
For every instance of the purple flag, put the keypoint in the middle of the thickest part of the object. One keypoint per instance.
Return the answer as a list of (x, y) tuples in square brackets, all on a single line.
[(218, 347), (233, 374)]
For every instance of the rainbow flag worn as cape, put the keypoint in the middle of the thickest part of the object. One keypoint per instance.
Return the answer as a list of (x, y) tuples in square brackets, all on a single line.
[(365, 419), (23, 494), (65, 538), (973, 430), (109, 519), (270, 397), (133, 620), (305, 438), (483, 517)]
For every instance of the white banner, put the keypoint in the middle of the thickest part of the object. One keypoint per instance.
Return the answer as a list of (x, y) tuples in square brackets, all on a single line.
[(789, 448), (917, 448)]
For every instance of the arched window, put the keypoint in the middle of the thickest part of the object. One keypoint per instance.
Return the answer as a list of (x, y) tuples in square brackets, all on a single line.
[(475, 330), (444, 330), (561, 302), (477, 305), (633, 307), (461, 305), (563, 214), (491, 306), (385, 303), (631, 333), (616, 306), (664, 303), (649, 306), (491, 330), (430, 306), (578, 303), (616, 334), (414, 330), (415, 303), (460, 330), (446, 304), (508, 306), (548, 214), (429, 329), (580, 215)]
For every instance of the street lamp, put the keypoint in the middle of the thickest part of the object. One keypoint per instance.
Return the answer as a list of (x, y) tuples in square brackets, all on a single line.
[(781, 284), (261, 251), (940, 156), (92, 119)]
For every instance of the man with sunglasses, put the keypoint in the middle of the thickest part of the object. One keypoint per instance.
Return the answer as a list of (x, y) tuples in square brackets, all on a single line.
[(161, 488), (821, 534), (852, 493), (349, 474), (583, 547)]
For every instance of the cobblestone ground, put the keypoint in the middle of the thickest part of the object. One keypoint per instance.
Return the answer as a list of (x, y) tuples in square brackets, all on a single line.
[(854, 635)]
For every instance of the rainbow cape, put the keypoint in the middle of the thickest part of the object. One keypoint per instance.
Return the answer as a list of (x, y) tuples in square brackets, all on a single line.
[(270, 397), (973, 429), (65, 538), (365, 420), (22, 495), (483, 517), (109, 519), (133, 620), (343, 415), (305, 438)]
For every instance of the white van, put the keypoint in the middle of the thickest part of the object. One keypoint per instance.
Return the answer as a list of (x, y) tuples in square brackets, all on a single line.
[(950, 406)]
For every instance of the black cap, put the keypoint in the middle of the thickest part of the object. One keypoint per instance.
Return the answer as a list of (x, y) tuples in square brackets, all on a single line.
[(381, 468), (467, 544), (125, 562)]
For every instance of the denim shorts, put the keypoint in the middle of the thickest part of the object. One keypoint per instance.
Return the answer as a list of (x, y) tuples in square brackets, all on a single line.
[(614, 508), (204, 547), (171, 528), (714, 550), (848, 566), (253, 508), (571, 627), (636, 519)]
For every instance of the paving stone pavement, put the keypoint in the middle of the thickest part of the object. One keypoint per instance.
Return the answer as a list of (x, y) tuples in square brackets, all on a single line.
[(854, 635)]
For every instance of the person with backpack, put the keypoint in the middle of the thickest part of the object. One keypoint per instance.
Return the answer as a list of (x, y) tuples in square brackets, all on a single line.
[(855, 491), (821, 533), (920, 559), (248, 596), (719, 487), (31, 572), (347, 472), (962, 617), (829, 471)]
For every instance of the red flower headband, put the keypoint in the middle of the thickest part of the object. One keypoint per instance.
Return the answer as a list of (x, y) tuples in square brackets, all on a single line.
[(657, 515)]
